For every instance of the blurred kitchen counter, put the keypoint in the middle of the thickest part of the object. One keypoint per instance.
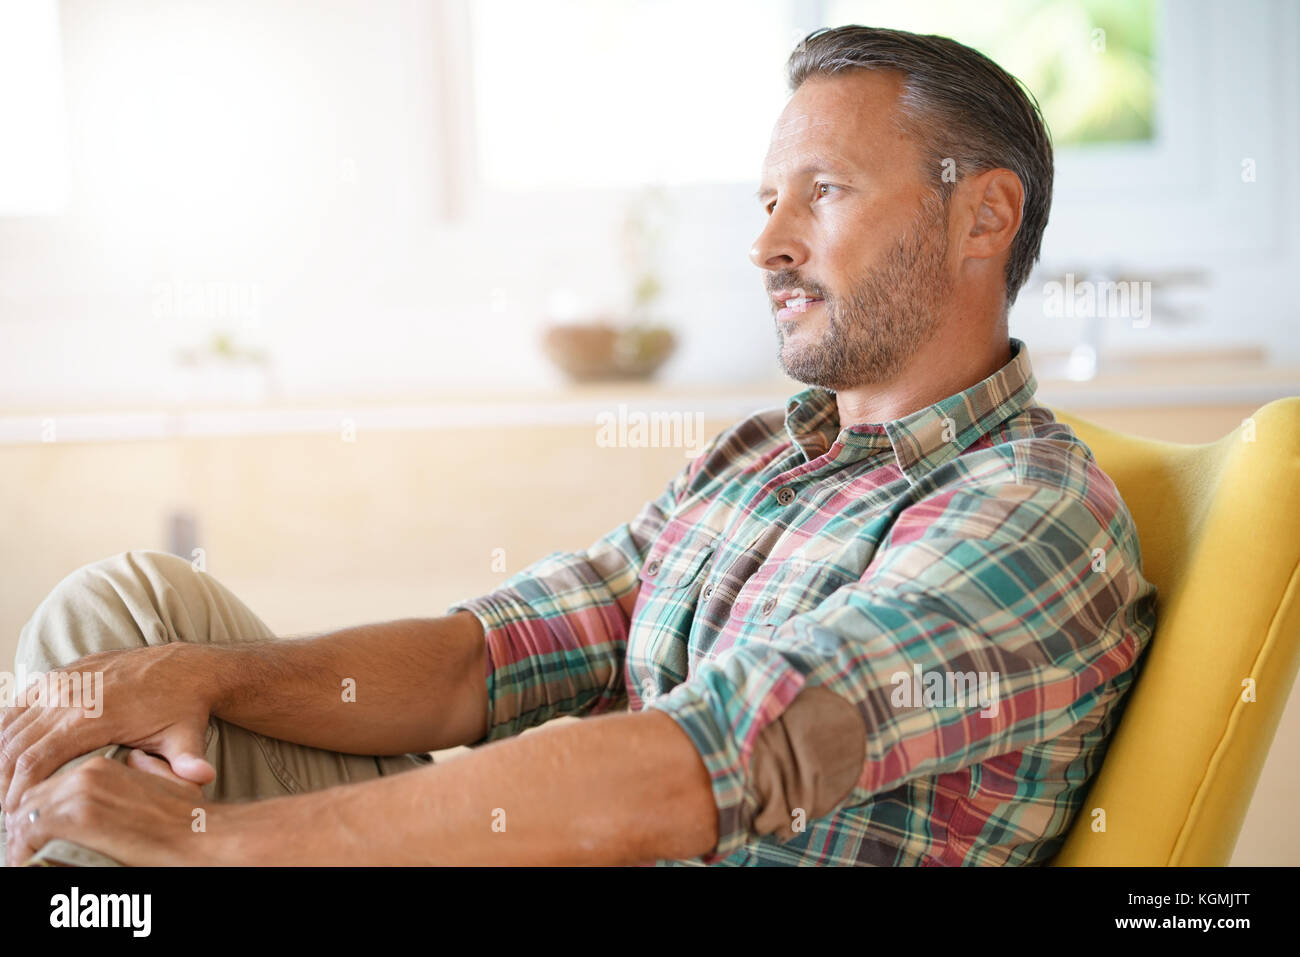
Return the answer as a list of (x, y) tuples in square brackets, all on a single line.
[(1186, 397)]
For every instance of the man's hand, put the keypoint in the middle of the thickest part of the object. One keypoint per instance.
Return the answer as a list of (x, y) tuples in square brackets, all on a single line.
[(613, 789), (153, 698), (138, 814)]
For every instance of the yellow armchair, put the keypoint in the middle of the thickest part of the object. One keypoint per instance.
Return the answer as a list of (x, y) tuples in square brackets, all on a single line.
[(1219, 526)]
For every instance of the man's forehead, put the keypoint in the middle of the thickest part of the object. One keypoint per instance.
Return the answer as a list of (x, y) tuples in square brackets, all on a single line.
[(806, 138), (834, 121)]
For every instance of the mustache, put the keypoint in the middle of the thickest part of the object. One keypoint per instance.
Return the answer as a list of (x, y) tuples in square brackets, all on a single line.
[(792, 281)]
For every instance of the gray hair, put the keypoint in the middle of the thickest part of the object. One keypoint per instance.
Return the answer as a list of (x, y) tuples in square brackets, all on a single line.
[(961, 107)]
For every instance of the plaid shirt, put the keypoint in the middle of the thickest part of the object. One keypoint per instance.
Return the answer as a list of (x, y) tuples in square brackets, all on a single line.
[(975, 540)]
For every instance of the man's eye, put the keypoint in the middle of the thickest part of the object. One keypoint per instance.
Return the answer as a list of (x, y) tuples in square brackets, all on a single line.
[(822, 186)]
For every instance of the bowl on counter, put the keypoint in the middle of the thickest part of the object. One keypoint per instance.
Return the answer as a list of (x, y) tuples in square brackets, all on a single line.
[(600, 351)]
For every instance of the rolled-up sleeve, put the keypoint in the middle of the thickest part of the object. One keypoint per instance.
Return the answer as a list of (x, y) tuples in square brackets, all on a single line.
[(556, 632), (1028, 592)]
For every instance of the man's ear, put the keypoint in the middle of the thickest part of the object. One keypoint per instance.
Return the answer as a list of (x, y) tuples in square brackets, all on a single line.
[(995, 201)]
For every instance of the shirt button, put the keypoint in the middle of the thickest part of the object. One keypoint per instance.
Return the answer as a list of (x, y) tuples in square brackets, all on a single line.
[(768, 606), (785, 496), (652, 568), (708, 590)]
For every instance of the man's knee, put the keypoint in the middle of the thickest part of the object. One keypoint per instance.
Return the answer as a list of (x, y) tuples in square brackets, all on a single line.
[(140, 572), (96, 595), (143, 565)]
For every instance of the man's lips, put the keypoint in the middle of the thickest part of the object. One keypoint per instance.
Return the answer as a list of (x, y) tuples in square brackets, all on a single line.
[(793, 302)]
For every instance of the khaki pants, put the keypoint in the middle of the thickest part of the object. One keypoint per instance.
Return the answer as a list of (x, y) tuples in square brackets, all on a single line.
[(149, 598)]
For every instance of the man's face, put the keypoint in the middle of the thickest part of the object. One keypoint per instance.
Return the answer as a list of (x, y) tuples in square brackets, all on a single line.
[(854, 226)]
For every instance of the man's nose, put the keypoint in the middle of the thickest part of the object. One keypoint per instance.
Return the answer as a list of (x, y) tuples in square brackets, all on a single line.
[(779, 245)]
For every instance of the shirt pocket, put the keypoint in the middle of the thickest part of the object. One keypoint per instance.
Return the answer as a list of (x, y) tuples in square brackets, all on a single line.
[(670, 581), (677, 564), (770, 598)]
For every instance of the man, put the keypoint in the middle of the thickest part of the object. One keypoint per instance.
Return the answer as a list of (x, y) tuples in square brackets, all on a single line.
[(892, 623)]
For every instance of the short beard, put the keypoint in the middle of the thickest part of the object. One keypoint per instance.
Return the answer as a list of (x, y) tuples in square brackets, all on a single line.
[(889, 315)]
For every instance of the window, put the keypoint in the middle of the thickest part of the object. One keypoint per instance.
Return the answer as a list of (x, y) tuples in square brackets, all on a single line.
[(588, 93), (1089, 63), (33, 160)]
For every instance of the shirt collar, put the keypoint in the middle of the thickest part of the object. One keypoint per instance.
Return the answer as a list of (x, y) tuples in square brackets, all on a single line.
[(926, 438)]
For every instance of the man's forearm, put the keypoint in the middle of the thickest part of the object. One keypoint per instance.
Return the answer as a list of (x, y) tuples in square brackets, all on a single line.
[(401, 686), (614, 789)]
